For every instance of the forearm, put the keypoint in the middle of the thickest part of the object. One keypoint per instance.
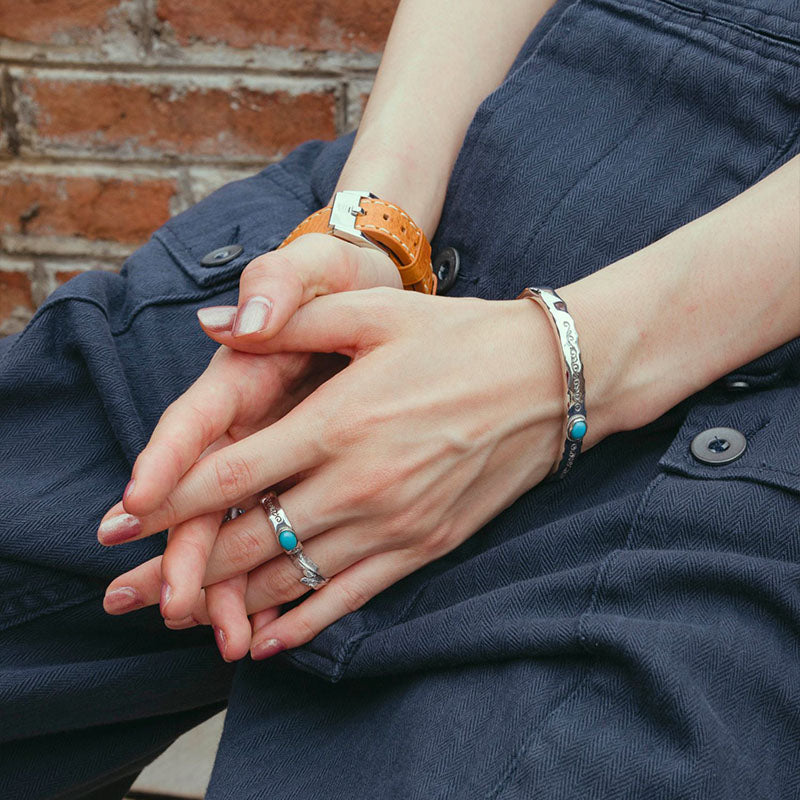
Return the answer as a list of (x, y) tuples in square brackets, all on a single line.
[(667, 321), (440, 61)]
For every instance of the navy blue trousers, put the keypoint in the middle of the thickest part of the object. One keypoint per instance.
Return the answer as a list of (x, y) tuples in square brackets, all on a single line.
[(629, 632)]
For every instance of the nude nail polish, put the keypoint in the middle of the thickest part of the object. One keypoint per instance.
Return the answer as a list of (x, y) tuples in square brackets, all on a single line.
[(119, 529), (180, 624), (222, 642), (217, 318), (122, 599), (253, 317), (266, 649), (166, 595)]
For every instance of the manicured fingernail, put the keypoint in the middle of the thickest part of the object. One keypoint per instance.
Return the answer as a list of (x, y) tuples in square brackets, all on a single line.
[(180, 624), (253, 317), (218, 318), (128, 489), (222, 642), (267, 648), (166, 594), (119, 529), (123, 599)]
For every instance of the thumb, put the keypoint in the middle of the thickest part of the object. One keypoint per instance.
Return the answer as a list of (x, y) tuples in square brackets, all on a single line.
[(274, 285), (346, 322)]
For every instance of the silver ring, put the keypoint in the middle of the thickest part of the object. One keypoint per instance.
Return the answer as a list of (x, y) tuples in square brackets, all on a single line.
[(232, 513), (287, 539)]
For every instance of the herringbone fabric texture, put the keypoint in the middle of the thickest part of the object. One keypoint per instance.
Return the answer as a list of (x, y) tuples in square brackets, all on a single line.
[(630, 632)]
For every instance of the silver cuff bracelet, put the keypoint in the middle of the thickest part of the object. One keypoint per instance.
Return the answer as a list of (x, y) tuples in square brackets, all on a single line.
[(576, 426)]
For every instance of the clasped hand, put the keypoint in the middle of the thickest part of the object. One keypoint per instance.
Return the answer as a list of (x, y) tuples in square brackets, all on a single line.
[(394, 426)]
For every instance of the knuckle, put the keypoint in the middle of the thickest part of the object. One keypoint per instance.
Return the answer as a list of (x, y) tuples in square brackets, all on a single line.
[(256, 269), (242, 551), (336, 432), (232, 476), (354, 594), (284, 584), (275, 267), (202, 424), (171, 511), (434, 543), (377, 493), (305, 630), (184, 550)]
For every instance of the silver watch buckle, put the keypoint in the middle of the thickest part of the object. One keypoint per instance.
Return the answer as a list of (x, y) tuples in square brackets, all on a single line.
[(344, 210)]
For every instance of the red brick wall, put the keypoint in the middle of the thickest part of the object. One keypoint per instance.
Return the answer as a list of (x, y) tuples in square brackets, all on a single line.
[(115, 114)]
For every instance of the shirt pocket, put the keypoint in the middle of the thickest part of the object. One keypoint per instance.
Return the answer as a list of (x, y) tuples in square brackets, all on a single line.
[(744, 512), (245, 218)]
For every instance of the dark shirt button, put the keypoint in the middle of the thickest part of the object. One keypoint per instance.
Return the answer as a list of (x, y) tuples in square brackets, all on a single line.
[(446, 266), (222, 255), (718, 446)]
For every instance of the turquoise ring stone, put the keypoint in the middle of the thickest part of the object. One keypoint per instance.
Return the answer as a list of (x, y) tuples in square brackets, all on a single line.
[(287, 539)]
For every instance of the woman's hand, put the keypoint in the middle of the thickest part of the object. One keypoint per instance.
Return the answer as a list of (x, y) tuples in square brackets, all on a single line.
[(449, 410), (265, 389), (237, 395)]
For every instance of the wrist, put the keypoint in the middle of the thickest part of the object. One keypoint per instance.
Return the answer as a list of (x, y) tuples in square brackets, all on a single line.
[(403, 174), (605, 345)]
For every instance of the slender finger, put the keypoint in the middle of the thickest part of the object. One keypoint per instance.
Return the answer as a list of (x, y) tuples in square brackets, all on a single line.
[(261, 618), (232, 631), (141, 587), (278, 581), (346, 592), (273, 286), (134, 589), (250, 540), (344, 322), (222, 479), (186, 428), (235, 390), (271, 289), (184, 563)]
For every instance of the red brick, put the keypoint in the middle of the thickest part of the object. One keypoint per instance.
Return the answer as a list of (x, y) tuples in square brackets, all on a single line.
[(206, 121), (15, 293), (95, 208), (43, 21), (304, 24)]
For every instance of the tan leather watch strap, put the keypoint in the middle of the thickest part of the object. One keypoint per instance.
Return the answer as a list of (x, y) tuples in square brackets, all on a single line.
[(318, 222), (388, 227)]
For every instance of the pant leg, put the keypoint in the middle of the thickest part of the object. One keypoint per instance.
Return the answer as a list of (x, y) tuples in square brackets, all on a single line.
[(87, 699)]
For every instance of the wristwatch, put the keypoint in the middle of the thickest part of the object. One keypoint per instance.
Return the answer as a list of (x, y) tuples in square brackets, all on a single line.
[(367, 221)]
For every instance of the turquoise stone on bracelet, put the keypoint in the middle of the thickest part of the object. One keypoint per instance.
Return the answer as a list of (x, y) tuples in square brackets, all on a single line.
[(577, 429), (287, 539)]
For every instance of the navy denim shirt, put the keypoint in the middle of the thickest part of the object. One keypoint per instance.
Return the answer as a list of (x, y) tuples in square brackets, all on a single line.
[(631, 631)]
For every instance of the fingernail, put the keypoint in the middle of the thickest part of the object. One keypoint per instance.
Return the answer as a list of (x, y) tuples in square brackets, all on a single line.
[(267, 648), (128, 489), (218, 318), (166, 594), (222, 642), (180, 624), (123, 599), (253, 317), (119, 529)]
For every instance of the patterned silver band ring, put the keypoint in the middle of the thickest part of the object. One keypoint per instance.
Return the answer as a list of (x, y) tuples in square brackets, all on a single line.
[(287, 539)]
